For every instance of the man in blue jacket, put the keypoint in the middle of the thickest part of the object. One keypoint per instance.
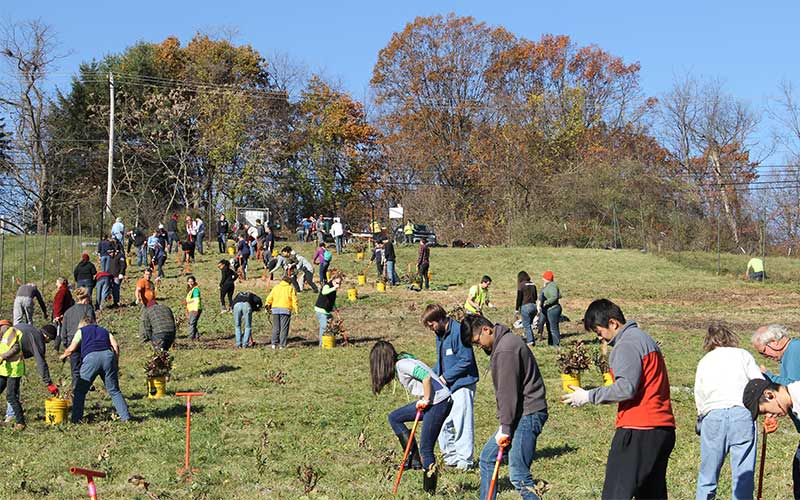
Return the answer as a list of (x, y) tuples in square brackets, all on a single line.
[(773, 342), (456, 367)]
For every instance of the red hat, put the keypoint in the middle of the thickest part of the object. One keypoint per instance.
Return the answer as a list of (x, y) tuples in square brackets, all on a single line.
[(548, 275)]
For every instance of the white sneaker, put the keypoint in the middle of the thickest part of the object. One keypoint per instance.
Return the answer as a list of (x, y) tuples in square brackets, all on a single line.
[(273, 347)]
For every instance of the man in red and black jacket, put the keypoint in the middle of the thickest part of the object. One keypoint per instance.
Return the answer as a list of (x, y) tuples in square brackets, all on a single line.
[(645, 435)]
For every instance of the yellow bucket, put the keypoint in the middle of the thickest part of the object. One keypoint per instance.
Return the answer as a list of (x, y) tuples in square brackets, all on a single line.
[(328, 275), (380, 286), (352, 294), (274, 253), (231, 251), (568, 380), (360, 255), (608, 379), (55, 410), (156, 387), (328, 341), (362, 279)]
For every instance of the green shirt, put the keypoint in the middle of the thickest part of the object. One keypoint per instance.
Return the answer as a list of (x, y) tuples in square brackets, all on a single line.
[(478, 295), (551, 294)]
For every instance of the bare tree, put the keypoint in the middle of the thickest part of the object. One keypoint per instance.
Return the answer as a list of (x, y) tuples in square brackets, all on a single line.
[(28, 51), (708, 132), (785, 112)]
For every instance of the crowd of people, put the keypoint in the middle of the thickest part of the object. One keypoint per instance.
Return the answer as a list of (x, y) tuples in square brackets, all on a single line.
[(730, 389)]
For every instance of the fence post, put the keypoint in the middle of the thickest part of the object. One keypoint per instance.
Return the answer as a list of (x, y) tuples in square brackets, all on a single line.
[(24, 256), (2, 258), (44, 255)]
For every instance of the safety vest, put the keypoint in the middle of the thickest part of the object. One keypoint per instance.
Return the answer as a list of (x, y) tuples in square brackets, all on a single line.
[(409, 229), (481, 298), (14, 367), (376, 228), (193, 303)]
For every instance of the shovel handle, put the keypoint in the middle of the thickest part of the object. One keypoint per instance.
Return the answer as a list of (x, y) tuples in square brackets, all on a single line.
[(494, 474), (408, 449)]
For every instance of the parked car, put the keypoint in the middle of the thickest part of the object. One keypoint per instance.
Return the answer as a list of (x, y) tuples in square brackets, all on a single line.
[(421, 231)]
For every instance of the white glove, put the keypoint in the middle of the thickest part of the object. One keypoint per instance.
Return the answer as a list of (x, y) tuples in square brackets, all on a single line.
[(578, 398)]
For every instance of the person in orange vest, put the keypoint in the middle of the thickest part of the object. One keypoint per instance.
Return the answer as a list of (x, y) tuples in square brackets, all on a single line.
[(194, 306), (12, 368)]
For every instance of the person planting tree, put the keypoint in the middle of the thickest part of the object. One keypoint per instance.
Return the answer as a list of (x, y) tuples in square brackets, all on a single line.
[(478, 297), (645, 435), (521, 403), (12, 369), (34, 341), (434, 404), (282, 301), (326, 301), (457, 370)]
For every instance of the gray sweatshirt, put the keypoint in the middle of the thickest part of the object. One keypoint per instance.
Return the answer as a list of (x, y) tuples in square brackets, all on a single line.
[(518, 384), (33, 346)]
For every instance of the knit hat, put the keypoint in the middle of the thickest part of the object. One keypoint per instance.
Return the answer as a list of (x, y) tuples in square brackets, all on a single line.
[(548, 275)]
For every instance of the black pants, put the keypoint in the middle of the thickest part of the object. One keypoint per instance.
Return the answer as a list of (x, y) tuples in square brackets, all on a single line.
[(12, 384), (637, 464), (423, 275), (226, 290), (796, 473), (163, 341)]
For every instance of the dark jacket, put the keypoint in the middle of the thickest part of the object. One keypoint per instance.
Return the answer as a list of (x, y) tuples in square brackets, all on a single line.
[(84, 271), (526, 294), (172, 225), (388, 251), (117, 265), (222, 227), (73, 317), (455, 361), (227, 277), (254, 300), (518, 384), (33, 346)]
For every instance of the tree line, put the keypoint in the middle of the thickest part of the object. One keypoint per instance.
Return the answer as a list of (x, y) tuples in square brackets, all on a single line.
[(485, 135)]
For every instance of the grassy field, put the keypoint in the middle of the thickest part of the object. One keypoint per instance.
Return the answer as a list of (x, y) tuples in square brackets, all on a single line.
[(269, 419)]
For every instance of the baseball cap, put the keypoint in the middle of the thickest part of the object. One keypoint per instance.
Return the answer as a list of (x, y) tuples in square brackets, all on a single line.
[(752, 395)]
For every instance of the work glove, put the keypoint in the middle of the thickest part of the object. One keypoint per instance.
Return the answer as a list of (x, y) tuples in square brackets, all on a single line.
[(53, 389), (770, 425), (502, 439), (422, 404), (578, 398)]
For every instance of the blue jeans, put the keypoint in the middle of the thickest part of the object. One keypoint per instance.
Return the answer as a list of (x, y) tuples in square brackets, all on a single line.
[(724, 431), (222, 240), (338, 244), (115, 284), (242, 311), (141, 255), (323, 269), (105, 260), (199, 242), (103, 291), (552, 315), (323, 323), (457, 438), (102, 363), (390, 273), (520, 456), (432, 420), (172, 240), (527, 313)]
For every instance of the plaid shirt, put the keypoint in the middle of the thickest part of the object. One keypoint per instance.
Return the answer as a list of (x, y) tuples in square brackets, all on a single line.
[(156, 319)]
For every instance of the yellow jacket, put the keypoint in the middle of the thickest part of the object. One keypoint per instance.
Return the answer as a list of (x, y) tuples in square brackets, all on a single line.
[(283, 296)]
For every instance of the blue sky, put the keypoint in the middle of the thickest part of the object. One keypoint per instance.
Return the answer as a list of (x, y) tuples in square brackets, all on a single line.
[(750, 47)]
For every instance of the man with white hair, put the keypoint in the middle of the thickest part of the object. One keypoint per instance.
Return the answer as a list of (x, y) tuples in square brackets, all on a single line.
[(773, 342), (118, 230)]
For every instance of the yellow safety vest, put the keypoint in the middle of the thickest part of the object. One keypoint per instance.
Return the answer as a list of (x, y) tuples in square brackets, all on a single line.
[(481, 298), (14, 367), (409, 228), (193, 304), (376, 228)]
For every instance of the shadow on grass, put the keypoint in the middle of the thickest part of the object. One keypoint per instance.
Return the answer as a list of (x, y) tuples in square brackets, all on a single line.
[(304, 342), (555, 451), (179, 410), (219, 370)]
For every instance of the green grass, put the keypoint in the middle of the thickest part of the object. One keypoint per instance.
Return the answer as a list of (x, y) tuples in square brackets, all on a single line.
[(267, 413)]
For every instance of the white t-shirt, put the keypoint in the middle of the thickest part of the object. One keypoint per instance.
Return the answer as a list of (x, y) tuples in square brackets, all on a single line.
[(411, 372), (337, 229), (253, 231), (794, 392), (721, 377)]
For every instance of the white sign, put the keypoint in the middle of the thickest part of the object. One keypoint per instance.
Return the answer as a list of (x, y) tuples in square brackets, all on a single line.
[(250, 216), (396, 212)]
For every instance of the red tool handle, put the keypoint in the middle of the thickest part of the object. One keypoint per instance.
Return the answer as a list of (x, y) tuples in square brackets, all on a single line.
[(408, 449), (494, 475), (190, 393), (86, 472)]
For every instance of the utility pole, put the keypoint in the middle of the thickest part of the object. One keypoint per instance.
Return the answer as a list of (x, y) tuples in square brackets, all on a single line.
[(110, 141)]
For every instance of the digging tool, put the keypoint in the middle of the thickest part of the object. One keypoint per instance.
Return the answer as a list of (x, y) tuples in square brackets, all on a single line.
[(344, 332), (763, 459), (90, 475), (496, 471), (187, 468), (408, 450)]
